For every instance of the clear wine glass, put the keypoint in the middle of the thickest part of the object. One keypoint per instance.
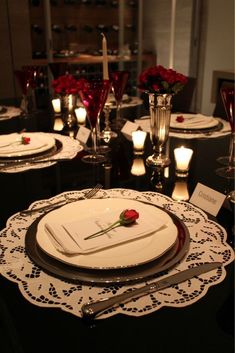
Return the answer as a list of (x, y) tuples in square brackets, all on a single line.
[(227, 95), (93, 94), (119, 81)]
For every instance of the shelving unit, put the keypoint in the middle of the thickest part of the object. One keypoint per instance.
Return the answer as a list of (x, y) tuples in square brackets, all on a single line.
[(68, 33)]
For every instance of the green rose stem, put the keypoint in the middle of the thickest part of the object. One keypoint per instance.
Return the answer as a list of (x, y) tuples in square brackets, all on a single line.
[(127, 217)]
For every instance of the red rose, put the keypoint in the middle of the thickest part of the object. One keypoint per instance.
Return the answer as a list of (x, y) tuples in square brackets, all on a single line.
[(161, 80), (25, 140), (180, 118), (128, 217)]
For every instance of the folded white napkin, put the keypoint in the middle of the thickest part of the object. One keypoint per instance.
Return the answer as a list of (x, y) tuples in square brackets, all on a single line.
[(68, 238), (192, 121), (12, 143)]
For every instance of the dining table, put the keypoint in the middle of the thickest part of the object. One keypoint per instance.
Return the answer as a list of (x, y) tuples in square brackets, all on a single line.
[(42, 290)]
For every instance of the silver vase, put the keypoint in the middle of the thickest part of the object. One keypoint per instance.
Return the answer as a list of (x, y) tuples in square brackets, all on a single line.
[(160, 115)]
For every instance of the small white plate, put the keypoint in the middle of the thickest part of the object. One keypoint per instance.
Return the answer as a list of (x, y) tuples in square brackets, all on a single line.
[(124, 255)]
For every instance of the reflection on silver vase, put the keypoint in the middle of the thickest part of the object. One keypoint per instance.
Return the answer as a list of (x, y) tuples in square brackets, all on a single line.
[(160, 114)]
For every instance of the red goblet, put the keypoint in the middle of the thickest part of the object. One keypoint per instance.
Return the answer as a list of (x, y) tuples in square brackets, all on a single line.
[(93, 94), (227, 95), (119, 81)]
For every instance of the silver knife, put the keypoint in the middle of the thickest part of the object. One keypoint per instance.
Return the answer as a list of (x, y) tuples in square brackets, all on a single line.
[(92, 309)]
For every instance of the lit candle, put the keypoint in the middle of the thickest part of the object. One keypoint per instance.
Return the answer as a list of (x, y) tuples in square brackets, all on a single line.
[(56, 103), (105, 58), (80, 115), (182, 159), (138, 138)]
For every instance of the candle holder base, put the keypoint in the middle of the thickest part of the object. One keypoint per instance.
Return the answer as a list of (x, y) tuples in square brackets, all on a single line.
[(158, 161)]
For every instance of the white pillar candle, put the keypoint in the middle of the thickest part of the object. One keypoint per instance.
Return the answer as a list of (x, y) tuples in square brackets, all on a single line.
[(56, 103), (80, 115), (138, 138), (105, 58), (183, 157)]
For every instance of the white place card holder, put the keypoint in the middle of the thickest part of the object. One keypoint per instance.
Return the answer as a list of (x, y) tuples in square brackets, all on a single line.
[(207, 199), (83, 134), (128, 128)]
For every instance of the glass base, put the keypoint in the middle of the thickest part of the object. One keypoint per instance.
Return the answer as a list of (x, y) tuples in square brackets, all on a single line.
[(225, 160), (158, 161), (101, 149), (94, 158), (226, 172), (117, 124), (107, 135)]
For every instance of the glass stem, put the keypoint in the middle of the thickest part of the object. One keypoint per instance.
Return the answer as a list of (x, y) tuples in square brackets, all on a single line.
[(94, 142), (232, 150), (118, 112)]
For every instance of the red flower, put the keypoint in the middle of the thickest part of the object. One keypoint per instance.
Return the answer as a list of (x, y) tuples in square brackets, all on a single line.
[(126, 218), (25, 140), (180, 118), (158, 79), (65, 84)]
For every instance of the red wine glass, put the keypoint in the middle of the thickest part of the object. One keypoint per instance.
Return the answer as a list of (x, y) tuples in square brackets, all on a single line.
[(93, 94), (227, 95), (119, 81)]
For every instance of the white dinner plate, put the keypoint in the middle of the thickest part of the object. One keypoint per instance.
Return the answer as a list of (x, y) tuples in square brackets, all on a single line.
[(39, 142), (193, 121), (124, 255)]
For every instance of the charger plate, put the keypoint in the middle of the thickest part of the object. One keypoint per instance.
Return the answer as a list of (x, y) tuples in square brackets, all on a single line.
[(136, 272)]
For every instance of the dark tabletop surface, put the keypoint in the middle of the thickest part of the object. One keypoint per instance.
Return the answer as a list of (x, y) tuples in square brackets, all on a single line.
[(206, 326)]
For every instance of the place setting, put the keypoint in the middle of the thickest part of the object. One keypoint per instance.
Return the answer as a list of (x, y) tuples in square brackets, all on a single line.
[(117, 238), (33, 150), (191, 125), (9, 112)]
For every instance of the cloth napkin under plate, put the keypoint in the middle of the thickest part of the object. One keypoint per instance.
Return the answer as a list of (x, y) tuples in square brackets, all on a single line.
[(68, 238)]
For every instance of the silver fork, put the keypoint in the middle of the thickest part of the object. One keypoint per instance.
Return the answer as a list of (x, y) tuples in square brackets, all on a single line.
[(50, 207)]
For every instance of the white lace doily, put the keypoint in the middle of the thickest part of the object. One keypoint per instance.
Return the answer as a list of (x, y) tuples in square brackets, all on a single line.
[(70, 148), (207, 244), (225, 130)]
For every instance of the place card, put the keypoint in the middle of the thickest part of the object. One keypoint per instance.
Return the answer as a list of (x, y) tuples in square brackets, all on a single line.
[(83, 134), (207, 199), (128, 128)]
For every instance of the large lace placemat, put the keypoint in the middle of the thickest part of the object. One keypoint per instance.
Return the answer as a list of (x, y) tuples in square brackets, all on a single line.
[(207, 244), (225, 130), (70, 148)]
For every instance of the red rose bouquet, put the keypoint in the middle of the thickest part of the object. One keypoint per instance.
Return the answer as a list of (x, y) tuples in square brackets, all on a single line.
[(65, 84), (158, 79)]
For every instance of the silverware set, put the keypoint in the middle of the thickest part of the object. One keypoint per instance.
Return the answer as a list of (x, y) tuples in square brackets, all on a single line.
[(67, 200), (91, 309)]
